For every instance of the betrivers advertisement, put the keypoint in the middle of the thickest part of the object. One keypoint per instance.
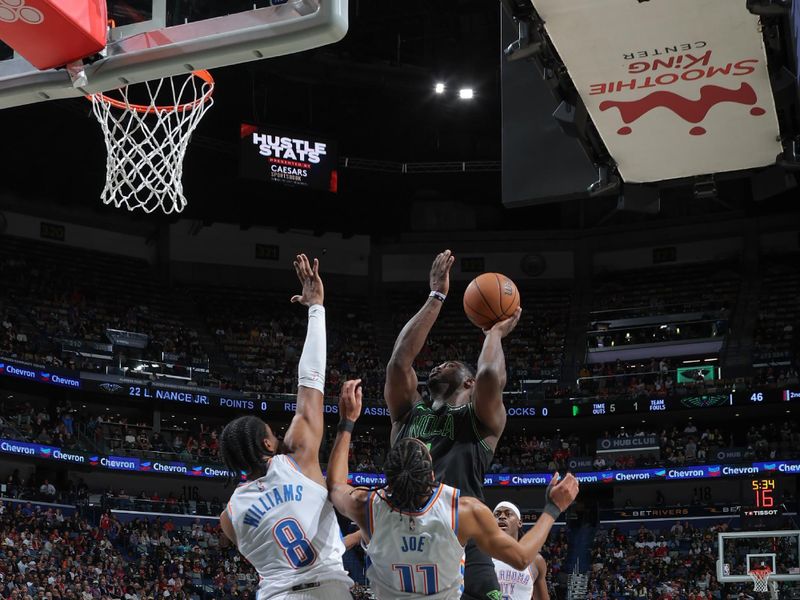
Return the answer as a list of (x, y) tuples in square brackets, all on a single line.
[(288, 158), (675, 89)]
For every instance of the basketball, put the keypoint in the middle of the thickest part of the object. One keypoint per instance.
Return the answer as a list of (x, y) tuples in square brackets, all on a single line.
[(489, 298)]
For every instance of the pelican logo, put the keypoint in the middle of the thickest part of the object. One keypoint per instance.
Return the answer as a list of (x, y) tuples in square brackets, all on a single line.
[(111, 388), (12, 11)]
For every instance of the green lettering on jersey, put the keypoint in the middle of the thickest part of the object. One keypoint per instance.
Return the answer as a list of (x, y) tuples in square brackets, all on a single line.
[(426, 426)]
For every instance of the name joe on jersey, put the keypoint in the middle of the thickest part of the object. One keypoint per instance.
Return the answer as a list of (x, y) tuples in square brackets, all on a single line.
[(414, 543), (269, 500)]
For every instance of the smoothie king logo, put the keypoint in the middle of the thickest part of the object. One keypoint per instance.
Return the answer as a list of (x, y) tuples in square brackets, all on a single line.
[(717, 83)]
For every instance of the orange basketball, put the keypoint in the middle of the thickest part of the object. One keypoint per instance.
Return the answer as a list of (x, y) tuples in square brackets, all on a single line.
[(489, 298)]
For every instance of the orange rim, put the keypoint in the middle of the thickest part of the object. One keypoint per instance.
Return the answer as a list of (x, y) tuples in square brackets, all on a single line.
[(142, 108)]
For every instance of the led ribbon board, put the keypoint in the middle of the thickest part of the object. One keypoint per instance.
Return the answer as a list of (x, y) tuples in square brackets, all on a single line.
[(676, 88)]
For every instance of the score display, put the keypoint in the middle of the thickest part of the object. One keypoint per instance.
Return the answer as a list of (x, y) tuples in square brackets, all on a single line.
[(516, 407)]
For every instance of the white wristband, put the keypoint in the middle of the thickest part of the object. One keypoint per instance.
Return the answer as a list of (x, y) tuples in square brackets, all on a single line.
[(438, 295)]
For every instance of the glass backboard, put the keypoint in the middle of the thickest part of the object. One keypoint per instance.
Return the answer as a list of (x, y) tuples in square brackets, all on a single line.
[(743, 551)]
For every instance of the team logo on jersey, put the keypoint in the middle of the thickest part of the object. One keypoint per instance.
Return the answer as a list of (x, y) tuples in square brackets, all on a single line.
[(494, 595)]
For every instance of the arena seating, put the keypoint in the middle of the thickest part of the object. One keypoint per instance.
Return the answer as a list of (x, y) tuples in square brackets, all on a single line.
[(661, 290), (777, 341)]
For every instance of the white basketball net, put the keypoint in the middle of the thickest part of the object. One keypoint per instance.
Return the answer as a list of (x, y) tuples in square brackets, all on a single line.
[(146, 143), (760, 579)]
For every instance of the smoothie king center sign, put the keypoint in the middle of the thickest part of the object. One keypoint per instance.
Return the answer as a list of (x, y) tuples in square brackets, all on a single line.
[(675, 89)]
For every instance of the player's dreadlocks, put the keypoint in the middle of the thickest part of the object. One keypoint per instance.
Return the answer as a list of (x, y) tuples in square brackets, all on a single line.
[(241, 446), (408, 475)]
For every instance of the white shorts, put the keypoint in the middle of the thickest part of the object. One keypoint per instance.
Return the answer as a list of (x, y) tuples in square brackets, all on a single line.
[(332, 590)]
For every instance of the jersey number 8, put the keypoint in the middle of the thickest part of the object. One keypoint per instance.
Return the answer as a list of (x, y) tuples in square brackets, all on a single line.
[(292, 540)]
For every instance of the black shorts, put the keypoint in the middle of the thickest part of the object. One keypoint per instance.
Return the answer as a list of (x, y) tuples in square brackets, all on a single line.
[(480, 579)]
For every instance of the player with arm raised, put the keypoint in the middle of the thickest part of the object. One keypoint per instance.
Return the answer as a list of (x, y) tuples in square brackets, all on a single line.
[(529, 583), (416, 528), (466, 415), (280, 518)]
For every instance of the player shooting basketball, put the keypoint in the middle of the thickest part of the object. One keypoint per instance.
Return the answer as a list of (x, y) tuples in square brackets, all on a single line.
[(466, 415), (416, 528), (529, 583), (281, 519)]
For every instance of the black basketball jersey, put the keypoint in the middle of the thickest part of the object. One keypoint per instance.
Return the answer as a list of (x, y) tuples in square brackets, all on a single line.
[(460, 455)]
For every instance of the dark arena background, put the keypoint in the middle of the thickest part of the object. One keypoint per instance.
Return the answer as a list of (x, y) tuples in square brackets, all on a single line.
[(631, 166)]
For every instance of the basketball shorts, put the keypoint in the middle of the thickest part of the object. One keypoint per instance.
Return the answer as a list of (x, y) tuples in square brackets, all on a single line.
[(480, 579), (332, 590)]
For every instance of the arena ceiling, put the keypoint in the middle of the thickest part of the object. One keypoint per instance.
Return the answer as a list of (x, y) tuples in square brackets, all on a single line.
[(373, 92)]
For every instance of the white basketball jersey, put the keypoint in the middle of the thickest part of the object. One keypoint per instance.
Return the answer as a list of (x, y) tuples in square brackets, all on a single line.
[(515, 585), (416, 554), (287, 529)]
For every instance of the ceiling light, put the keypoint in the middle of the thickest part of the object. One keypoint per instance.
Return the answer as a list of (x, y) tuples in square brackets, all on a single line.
[(466, 93), (439, 88)]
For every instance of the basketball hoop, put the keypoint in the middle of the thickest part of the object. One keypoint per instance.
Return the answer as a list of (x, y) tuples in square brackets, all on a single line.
[(760, 579), (146, 143)]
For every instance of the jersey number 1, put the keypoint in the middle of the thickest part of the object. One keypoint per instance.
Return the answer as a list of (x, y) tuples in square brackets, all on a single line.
[(292, 540)]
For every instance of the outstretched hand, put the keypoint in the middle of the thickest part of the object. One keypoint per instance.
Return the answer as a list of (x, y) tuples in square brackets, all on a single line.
[(440, 272), (313, 291), (506, 326), (562, 492), (350, 400)]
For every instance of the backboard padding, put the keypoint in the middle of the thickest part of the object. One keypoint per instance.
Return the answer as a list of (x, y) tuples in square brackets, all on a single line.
[(146, 50)]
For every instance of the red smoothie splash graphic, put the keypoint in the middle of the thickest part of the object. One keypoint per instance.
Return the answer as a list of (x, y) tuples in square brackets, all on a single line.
[(693, 111)]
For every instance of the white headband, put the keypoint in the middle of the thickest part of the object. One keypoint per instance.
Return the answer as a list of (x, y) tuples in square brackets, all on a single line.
[(512, 507)]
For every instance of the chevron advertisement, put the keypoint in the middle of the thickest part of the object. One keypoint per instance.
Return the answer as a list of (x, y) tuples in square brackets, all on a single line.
[(127, 463), (113, 463)]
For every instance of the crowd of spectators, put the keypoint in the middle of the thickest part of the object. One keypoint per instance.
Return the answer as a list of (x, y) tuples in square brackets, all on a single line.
[(76, 294), (677, 564), (673, 446), (45, 554)]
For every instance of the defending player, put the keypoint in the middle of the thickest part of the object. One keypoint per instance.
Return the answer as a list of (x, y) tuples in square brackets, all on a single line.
[(416, 528), (280, 518), (466, 415), (526, 584)]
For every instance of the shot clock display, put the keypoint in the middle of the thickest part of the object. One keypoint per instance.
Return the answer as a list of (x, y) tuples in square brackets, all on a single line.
[(762, 506), (763, 493)]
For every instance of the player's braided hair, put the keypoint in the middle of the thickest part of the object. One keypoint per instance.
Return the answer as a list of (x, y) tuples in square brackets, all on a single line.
[(241, 447), (408, 475)]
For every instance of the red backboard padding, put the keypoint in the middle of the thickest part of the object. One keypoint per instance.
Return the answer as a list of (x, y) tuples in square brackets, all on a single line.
[(53, 33)]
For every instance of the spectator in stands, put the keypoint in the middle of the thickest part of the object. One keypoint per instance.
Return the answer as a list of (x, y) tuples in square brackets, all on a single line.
[(47, 491)]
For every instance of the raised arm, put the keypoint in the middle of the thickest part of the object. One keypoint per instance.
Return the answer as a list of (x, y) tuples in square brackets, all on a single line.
[(490, 381), (304, 436), (477, 522), (348, 500), (400, 390)]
